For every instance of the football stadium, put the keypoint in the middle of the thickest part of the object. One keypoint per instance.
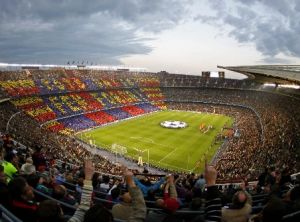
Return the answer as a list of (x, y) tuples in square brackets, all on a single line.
[(155, 123), (143, 111)]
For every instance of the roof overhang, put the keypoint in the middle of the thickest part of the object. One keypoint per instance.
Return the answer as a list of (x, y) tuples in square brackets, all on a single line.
[(280, 74)]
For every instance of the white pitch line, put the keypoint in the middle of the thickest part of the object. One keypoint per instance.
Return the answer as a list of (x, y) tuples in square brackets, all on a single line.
[(176, 167), (168, 155), (151, 141), (143, 139), (148, 140)]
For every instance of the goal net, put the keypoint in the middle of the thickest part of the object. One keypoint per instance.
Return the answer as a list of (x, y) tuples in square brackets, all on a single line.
[(118, 149)]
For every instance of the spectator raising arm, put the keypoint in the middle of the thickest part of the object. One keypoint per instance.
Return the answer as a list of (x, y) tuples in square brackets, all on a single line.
[(86, 194), (138, 202), (213, 201)]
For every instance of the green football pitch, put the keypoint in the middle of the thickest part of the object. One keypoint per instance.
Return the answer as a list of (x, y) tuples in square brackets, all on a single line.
[(176, 149)]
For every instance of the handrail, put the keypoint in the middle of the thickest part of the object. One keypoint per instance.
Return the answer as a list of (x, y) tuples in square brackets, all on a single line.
[(4, 100), (291, 215), (257, 196), (178, 211), (10, 118), (51, 198), (8, 215), (105, 201), (70, 164), (118, 220)]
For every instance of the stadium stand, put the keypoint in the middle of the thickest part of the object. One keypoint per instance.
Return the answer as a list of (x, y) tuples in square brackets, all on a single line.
[(46, 163)]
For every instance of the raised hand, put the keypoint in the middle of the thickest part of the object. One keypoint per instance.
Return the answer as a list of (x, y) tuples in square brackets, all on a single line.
[(170, 179), (89, 169), (128, 175), (210, 174)]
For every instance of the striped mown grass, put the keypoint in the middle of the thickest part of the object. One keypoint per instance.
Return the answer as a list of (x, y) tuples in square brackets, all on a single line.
[(176, 149)]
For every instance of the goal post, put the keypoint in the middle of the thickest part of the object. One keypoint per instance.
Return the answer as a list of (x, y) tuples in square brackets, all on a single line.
[(141, 155), (118, 149)]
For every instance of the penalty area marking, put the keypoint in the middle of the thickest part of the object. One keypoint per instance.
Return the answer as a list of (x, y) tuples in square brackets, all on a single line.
[(142, 139), (166, 156), (148, 140)]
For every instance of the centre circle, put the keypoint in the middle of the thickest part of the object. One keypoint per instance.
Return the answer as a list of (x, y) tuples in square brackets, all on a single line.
[(173, 124)]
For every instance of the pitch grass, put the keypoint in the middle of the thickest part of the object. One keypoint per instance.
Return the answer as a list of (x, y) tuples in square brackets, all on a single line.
[(176, 149)]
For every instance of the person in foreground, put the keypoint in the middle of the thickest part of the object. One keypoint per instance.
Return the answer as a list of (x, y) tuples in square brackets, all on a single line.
[(239, 210), (169, 204), (213, 203), (98, 213), (49, 210)]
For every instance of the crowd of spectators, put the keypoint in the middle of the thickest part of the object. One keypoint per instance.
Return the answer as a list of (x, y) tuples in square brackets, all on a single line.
[(57, 81), (78, 103), (57, 146), (268, 126), (276, 115), (263, 137), (35, 188), (70, 99), (45, 82), (234, 159), (176, 80), (49, 107)]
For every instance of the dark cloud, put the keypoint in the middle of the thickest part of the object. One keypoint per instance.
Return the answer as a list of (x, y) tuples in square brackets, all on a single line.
[(272, 25), (102, 31)]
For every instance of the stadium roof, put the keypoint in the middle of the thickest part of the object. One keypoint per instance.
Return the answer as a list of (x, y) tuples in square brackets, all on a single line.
[(281, 74), (10, 66)]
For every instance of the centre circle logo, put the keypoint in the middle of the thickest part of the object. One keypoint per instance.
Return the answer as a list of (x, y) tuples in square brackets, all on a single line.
[(173, 124)]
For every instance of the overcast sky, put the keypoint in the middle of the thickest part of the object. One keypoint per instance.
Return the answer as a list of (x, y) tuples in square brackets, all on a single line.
[(183, 36)]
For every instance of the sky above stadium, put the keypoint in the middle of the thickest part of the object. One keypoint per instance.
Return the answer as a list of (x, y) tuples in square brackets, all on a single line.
[(181, 36)]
